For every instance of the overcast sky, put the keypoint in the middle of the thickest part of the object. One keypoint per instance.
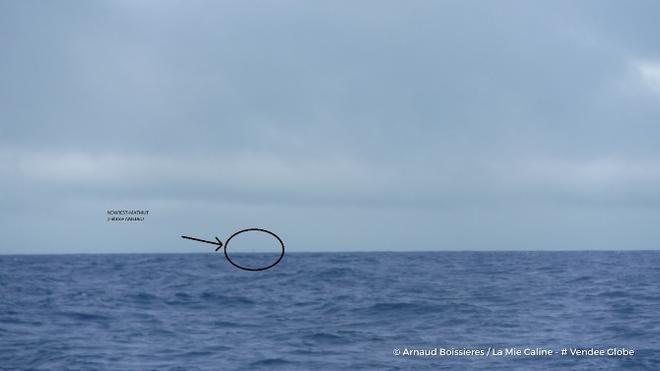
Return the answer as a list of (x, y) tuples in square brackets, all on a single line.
[(368, 125)]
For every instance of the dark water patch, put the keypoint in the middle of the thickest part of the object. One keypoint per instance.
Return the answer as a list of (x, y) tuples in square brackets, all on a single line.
[(325, 338), (222, 299), (84, 316), (271, 362)]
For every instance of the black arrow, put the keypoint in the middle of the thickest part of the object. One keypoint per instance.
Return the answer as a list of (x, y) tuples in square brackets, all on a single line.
[(219, 243)]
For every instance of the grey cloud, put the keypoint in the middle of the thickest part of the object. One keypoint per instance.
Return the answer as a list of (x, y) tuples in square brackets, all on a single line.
[(383, 114)]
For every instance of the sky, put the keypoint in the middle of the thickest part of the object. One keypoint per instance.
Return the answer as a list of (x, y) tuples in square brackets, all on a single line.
[(340, 126)]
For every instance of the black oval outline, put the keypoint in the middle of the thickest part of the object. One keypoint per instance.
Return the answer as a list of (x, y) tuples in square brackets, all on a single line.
[(254, 230)]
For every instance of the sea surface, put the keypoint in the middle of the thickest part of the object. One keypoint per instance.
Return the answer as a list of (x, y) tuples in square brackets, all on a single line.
[(334, 311)]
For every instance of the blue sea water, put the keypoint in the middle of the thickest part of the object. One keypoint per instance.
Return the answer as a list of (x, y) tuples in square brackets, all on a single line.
[(327, 311)]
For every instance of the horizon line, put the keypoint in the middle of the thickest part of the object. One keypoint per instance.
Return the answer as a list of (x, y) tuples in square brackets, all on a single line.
[(334, 252)]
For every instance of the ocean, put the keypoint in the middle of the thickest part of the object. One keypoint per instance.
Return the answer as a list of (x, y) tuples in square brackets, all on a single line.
[(334, 311)]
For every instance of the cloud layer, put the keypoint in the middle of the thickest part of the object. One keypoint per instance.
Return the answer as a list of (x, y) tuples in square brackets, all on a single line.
[(460, 125)]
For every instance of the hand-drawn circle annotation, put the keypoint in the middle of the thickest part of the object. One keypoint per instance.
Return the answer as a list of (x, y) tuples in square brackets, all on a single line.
[(226, 245)]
